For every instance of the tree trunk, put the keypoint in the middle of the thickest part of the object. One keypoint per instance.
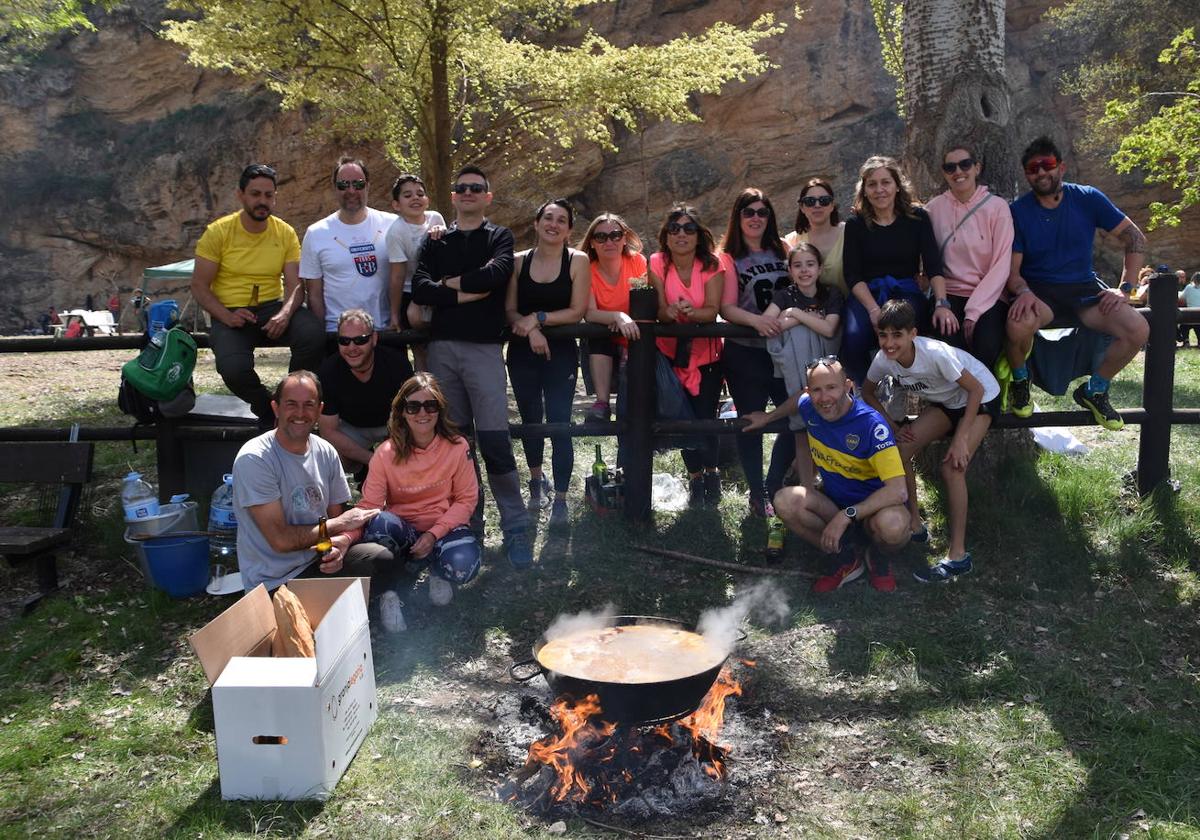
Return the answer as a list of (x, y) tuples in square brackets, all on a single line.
[(435, 154), (956, 89)]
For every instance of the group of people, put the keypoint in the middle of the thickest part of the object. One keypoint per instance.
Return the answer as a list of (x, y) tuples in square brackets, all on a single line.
[(941, 291)]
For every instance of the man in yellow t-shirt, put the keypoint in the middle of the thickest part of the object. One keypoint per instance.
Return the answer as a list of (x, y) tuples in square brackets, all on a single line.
[(239, 261)]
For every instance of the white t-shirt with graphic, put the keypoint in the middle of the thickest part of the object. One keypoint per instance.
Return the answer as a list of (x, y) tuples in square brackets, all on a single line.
[(935, 372), (352, 261), (404, 242)]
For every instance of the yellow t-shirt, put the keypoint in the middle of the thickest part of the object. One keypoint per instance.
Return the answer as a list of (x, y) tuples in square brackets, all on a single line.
[(246, 260)]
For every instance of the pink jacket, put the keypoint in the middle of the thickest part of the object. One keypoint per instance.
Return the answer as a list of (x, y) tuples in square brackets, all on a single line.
[(977, 259), (435, 489)]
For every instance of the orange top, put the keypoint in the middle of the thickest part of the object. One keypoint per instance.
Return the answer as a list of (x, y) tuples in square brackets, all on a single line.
[(434, 489), (614, 297)]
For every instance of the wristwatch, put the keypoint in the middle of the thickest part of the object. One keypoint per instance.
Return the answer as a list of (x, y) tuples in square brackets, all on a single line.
[(541, 316), (851, 513), (942, 303)]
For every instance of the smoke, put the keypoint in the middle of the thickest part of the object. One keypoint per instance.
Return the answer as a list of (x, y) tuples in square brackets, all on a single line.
[(564, 625), (765, 601)]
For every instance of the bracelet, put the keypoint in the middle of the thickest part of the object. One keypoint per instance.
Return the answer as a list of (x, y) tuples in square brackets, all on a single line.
[(942, 303)]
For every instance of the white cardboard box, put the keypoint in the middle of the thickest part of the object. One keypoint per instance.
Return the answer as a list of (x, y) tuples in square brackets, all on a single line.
[(288, 728)]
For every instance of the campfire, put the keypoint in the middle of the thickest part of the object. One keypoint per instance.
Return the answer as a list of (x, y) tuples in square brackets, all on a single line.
[(625, 770)]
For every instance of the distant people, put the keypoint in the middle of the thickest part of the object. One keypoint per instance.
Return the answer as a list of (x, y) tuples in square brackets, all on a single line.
[(284, 481), (690, 279), (1052, 278), (89, 303), (344, 258), (759, 258), (857, 518), (236, 279), (974, 232), (550, 286), (114, 308), (423, 480), (464, 277), (74, 327), (889, 241), (1141, 292), (44, 321), (1191, 300), (614, 253), (360, 382), (817, 222), (960, 396), (404, 238)]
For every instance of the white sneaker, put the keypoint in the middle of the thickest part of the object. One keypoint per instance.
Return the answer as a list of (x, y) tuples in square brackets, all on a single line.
[(390, 612), (441, 591)]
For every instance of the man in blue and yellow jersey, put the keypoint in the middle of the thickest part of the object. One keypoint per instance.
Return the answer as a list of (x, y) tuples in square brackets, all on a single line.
[(247, 278), (863, 493)]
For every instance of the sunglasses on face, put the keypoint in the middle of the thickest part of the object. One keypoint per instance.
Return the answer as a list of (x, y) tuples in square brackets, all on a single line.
[(609, 236), (751, 212), (475, 188), (415, 406), (965, 165), (357, 183), (356, 340), (686, 227), (1041, 164), (820, 360), (814, 200)]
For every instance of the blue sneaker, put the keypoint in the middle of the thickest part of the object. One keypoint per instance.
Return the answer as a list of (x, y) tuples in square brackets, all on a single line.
[(520, 550), (936, 573), (920, 537), (958, 567)]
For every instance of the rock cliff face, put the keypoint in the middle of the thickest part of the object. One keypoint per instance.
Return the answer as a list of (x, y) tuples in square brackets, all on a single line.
[(118, 152)]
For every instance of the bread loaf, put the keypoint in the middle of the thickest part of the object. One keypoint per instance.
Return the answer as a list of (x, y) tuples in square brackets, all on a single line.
[(293, 633)]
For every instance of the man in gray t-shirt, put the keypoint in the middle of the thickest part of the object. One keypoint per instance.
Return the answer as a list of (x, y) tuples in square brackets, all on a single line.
[(284, 481)]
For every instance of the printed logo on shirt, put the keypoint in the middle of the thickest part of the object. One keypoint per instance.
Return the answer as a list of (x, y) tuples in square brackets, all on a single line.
[(913, 385), (307, 500), (880, 432), (852, 441), (365, 261)]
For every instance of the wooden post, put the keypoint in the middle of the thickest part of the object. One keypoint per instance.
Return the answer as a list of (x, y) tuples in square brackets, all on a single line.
[(1158, 384), (640, 404)]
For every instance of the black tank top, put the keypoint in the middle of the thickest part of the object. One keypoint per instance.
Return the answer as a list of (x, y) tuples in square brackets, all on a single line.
[(544, 297)]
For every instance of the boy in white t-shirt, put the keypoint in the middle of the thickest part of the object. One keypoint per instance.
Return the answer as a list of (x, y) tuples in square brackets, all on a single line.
[(961, 401), (404, 237)]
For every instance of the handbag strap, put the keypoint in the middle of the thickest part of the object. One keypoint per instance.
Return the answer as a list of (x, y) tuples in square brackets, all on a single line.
[(963, 221)]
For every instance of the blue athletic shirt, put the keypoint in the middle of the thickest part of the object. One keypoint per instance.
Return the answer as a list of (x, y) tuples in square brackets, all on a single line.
[(1057, 244), (855, 454)]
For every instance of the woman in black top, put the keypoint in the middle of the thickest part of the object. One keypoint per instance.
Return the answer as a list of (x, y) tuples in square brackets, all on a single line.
[(888, 241), (550, 285)]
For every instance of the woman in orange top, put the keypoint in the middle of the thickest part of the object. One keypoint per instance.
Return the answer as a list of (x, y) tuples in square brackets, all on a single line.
[(614, 251)]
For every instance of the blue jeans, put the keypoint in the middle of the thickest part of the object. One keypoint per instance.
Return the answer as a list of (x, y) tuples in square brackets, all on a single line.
[(859, 341)]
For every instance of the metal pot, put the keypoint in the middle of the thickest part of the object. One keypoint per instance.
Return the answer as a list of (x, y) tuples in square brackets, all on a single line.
[(642, 703)]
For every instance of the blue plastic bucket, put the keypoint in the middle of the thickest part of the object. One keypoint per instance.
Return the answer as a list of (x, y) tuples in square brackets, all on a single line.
[(178, 565)]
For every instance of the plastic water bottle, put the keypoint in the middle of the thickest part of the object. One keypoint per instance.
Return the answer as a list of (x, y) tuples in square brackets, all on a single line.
[(222, 521), (138, 498)]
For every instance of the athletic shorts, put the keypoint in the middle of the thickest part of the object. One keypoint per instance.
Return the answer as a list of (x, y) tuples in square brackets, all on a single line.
[(1067, 299), (955, 415)]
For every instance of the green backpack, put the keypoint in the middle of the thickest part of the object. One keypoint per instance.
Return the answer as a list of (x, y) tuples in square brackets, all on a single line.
[(165, 365)]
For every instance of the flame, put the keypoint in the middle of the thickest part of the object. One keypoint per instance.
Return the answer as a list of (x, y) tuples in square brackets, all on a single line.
[(555, 750), (704, 724)]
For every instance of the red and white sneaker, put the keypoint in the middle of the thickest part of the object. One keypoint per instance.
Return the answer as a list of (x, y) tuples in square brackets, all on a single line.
[(844, 574), (879, 572)]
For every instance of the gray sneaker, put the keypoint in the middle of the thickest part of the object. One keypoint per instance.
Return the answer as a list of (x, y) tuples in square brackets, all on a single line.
[(441, 591), (391, 613), (539, 493), (558, 514)]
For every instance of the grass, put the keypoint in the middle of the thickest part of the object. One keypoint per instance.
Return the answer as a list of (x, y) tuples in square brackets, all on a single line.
[(1052, 694)]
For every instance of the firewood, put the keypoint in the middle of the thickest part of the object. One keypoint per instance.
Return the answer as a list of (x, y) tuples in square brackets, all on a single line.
[(721, 564)]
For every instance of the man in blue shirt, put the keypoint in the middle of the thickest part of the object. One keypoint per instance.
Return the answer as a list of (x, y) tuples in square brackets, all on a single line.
[(1052, 277)]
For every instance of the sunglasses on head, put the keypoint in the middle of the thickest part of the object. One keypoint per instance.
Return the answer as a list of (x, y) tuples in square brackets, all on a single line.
[(475, 188), (751, 212), (820, 360), (609, 236), (814, 200), (356, 340), (965, 165), (415, 406), (357, 183), (1042, 164), (686, 227)]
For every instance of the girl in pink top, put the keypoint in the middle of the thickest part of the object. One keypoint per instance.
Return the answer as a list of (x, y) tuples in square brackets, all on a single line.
[(423, 481), (690, 280), (974, 230)]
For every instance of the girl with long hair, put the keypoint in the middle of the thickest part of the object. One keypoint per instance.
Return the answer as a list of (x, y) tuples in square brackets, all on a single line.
[(818, 222)]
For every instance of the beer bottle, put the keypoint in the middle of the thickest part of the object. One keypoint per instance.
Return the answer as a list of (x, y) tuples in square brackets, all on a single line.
[(599, 468), (324, 544), (254, 295)]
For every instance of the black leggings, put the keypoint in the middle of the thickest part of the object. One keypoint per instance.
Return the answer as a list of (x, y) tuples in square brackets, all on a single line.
[(546, 387), (750, 375), (704, 404), (988, 341)]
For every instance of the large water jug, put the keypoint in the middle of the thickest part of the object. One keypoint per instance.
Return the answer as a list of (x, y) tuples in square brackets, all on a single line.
[(222, 522), (138, 498)]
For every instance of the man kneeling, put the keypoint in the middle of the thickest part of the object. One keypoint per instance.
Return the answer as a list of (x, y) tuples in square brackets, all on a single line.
[(858, 518)]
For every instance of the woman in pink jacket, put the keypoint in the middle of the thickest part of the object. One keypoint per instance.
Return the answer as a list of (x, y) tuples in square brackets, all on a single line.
[(423, 482)]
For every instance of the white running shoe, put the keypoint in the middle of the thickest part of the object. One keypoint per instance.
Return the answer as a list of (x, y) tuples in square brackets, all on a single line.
[(441, 591), (391, 612)]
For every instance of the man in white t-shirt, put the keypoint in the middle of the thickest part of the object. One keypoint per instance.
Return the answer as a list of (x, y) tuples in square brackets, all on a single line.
[(961, 396), (343, 260)]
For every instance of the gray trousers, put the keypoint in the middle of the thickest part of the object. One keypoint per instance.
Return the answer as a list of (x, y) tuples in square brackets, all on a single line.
[(473, 378), (234, 352)]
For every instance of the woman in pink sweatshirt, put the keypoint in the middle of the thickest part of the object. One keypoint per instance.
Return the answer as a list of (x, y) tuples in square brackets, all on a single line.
[(423, 481)]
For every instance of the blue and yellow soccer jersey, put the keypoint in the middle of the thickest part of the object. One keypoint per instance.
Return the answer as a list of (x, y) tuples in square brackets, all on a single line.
[(855, 454)]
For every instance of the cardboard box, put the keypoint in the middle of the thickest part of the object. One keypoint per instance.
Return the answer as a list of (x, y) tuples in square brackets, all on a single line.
[(288, 728)]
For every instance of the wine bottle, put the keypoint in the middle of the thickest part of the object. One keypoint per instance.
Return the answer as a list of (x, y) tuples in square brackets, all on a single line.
[(599, 467)]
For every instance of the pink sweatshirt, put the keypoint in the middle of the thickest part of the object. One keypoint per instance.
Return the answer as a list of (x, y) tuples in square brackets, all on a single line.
[(977, 259), (435, 489)]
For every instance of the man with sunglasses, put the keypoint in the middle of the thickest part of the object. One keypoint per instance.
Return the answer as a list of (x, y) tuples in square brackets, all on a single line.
[(858, 518), (463, 276), (1052, 278), (236, 279), (344, 258), (360, 382)]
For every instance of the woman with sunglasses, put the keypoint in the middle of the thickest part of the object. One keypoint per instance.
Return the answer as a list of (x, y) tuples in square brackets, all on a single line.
[(550, 285), (690, 280), (974, 231), (614, 252), (817, 223), (889, 241), (422, 480), (760, 260)]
